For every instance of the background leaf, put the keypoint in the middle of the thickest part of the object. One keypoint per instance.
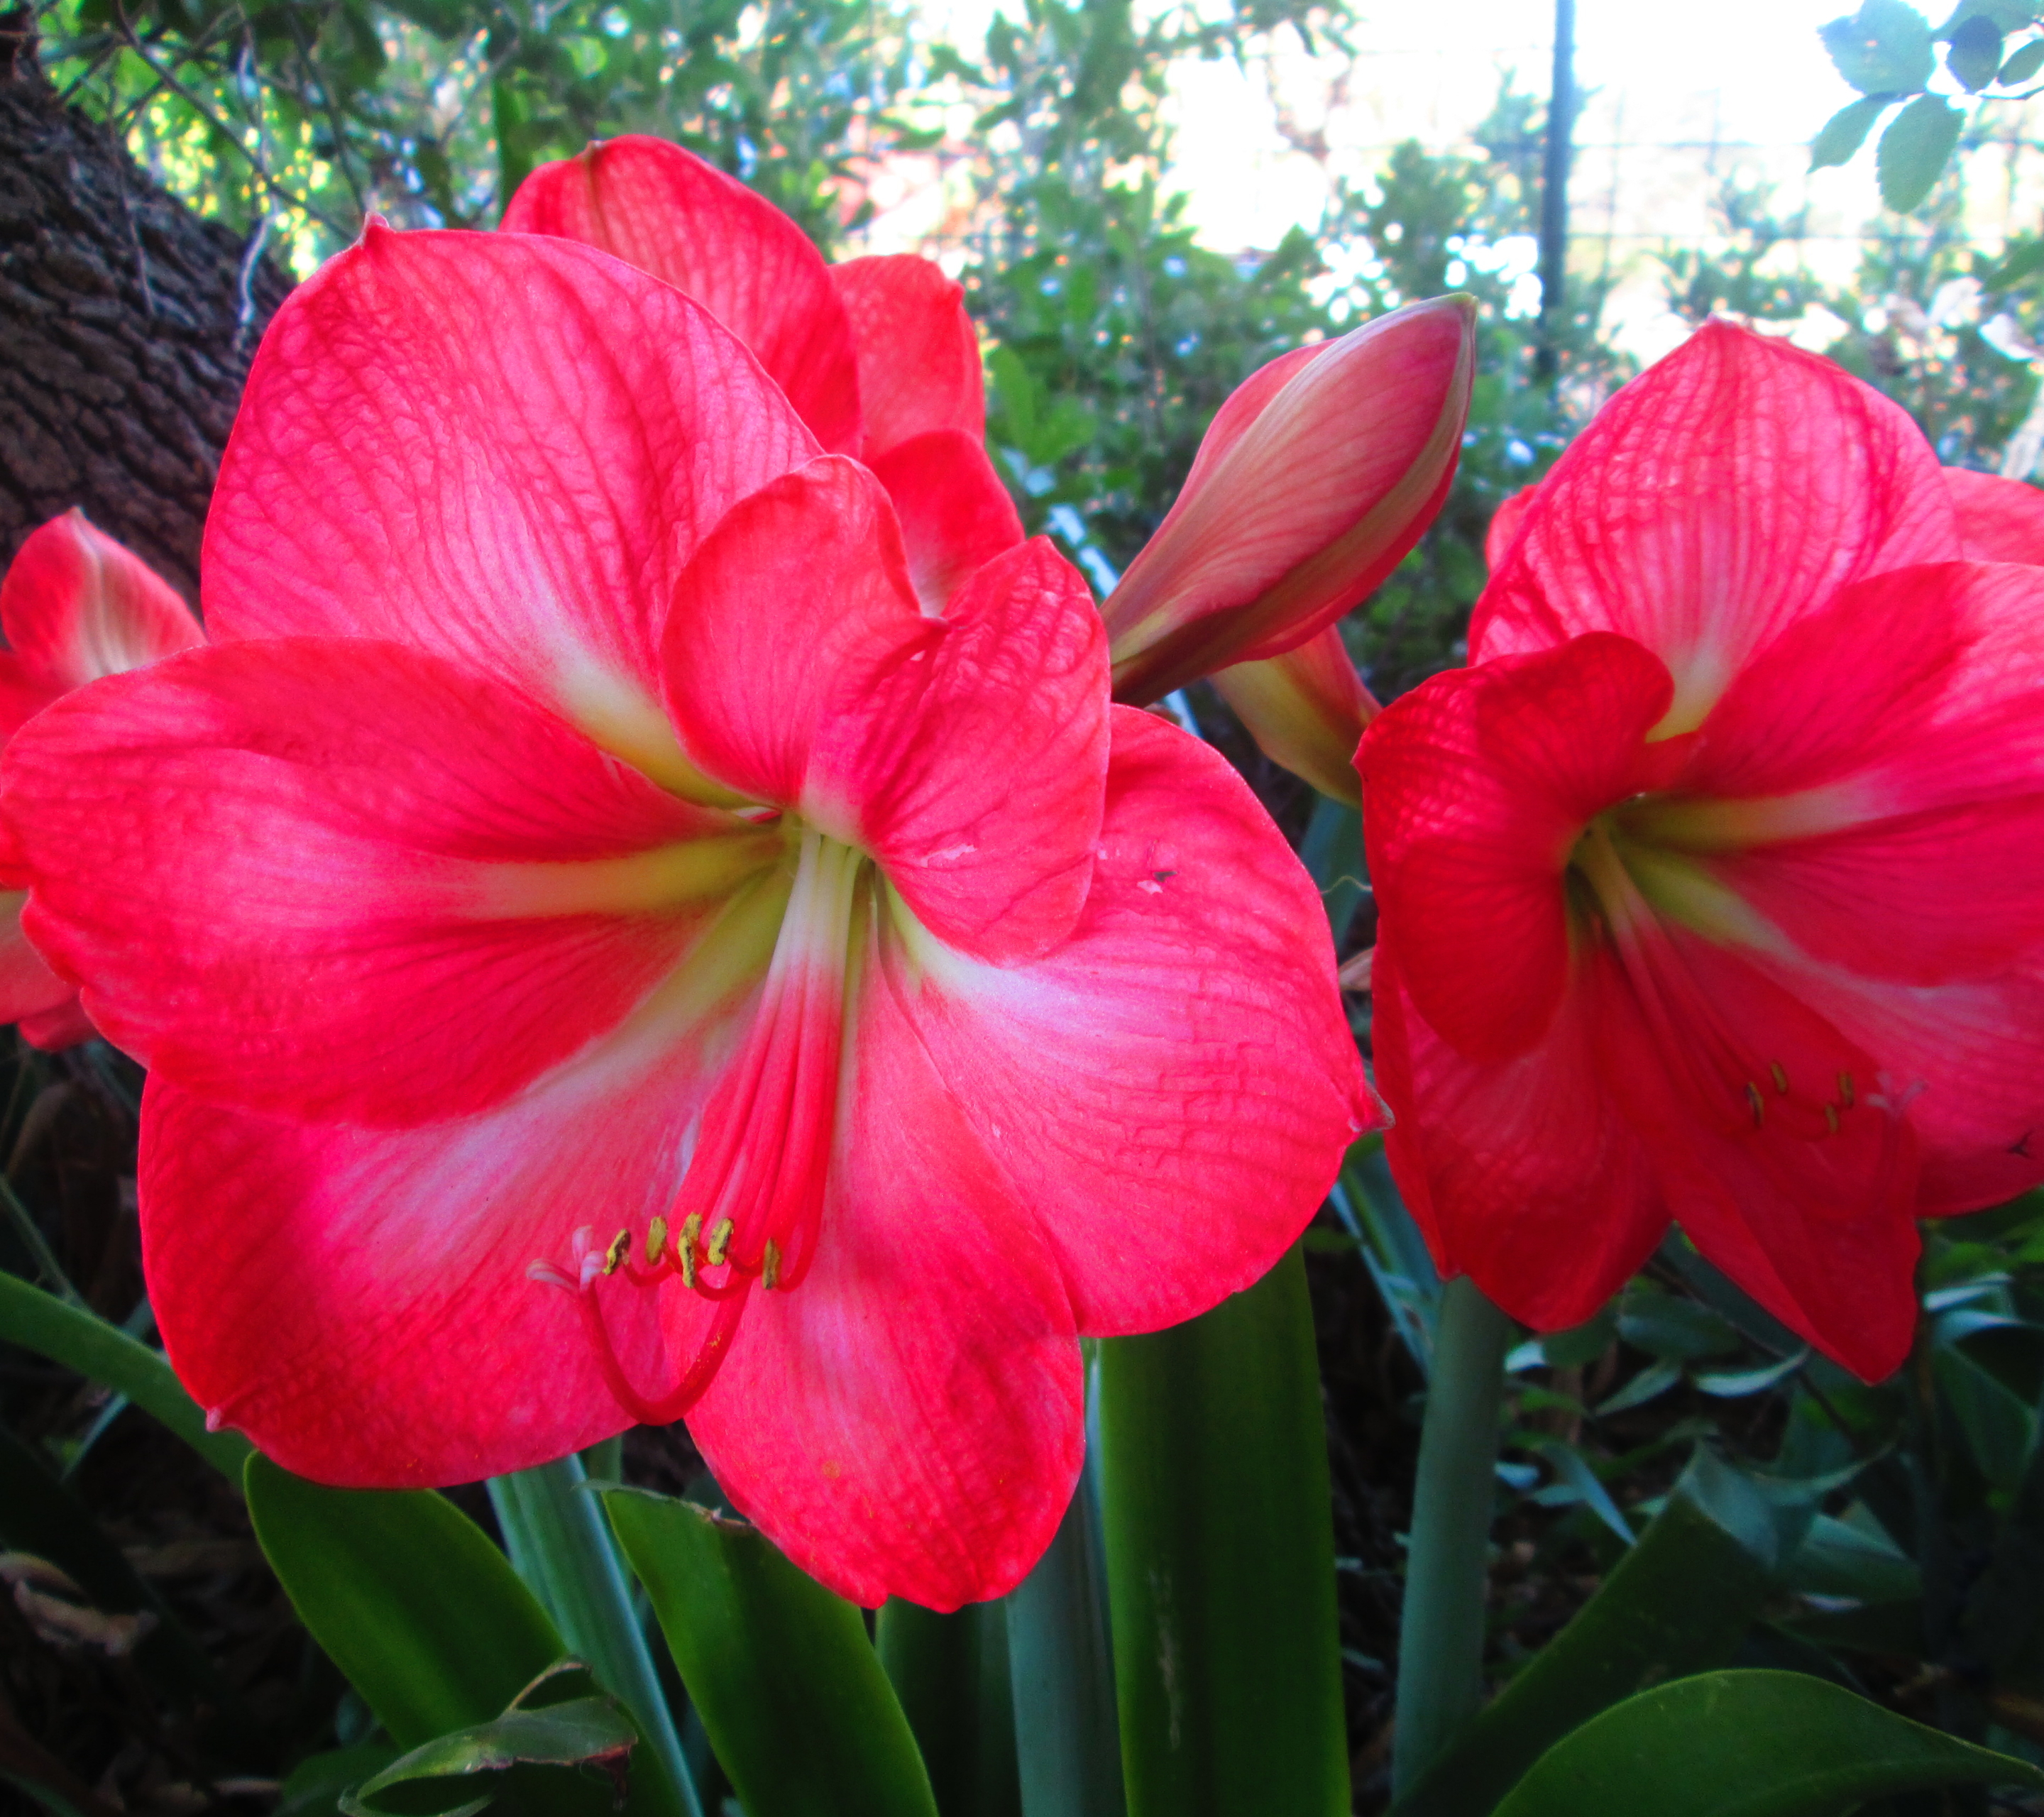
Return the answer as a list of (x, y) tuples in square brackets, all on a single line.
[(1914, 150), (1749, 1744)]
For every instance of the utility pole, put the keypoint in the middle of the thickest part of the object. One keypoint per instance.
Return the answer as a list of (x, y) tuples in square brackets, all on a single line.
[(1555, 191)]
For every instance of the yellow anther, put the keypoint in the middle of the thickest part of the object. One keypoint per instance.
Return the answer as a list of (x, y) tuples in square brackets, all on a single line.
[(1759, 1105), (1846, 1089), (656, 1241), (620, 1247), (770, 1276), (691, 1240), (719, 1245), (1781, 1078), (1831, 1120)]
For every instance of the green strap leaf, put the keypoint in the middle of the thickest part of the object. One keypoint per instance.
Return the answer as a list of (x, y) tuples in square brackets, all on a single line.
[(950, 1673), (1679, 1602), (2022, 63), (789, 1688), (81, 1340), (1220, 1557), (1749, 1744), (1914, 150), (423, 1616)]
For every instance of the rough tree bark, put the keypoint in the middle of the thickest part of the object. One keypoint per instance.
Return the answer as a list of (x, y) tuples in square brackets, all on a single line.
[(126, 327)]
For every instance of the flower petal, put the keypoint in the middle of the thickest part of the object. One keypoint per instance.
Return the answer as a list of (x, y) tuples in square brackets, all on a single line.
[(495, 446), (2000, 519), (995, 858), (1734, 487), (1475, 786), (76, 606), (1818, 1227), (1172, 1089), (359, 1302), (1523, 1174), (909, 1421), (1505, 523), (956, 516), (344, 877), (667, 211), (28, 986), (918, 368), (804, 674)]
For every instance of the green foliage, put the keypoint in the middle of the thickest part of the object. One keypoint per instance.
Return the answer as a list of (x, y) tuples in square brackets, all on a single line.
[(1888, 50), (1749, 1744), (431, 111)]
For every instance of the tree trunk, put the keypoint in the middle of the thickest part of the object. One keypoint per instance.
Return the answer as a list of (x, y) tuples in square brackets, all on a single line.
[(126, 327)]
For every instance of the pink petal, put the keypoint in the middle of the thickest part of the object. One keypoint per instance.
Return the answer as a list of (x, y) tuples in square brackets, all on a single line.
[(64, 1025), (345, 878), (1475, 787), (28, 986), (1171, 1090), (2000, 519), (1506, 522), (667, 211), (995, 858), (1523, 1174), (1815, 1225), (497, 447), (805, 675), (1967, 1059), (359, 1302), (76, 606), (1733, 488), (1306, 709), (1318, 486), (918, 368), (956, 516), (909, 1420)]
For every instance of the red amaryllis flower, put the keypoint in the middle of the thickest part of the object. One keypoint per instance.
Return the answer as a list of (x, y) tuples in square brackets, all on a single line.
[(74, 605), (2000, 519), (877, 356), (578, 857), (1714, 889)]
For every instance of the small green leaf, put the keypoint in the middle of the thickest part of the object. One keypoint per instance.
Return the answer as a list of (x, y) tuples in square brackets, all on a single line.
[(1749, 1744), (423, 1616), (1913, 151), (787, 1685), (585, 1731), (1735, 1384), (2023, 63), (1974, 54), (1884, 48), (105, 1353), (1650, 1383), (1847, 130), (1668, 1326), (316, 1784)]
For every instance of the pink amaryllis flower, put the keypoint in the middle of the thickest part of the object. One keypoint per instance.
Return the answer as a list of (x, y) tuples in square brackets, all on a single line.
[(605, 952), (1714, 889), (76, 605), (877, 356)]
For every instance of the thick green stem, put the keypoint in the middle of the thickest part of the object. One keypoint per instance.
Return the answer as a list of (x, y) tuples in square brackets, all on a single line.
[(1066, 1747), (562, 1546), (1440, 1651)]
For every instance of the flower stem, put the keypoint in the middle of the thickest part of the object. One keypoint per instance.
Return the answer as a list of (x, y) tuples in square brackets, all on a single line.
[(562, 1546), (1440, 1655)]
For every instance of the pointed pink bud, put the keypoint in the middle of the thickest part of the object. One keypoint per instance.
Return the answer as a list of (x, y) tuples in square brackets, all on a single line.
[(1316, 477), (1306, 709)]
